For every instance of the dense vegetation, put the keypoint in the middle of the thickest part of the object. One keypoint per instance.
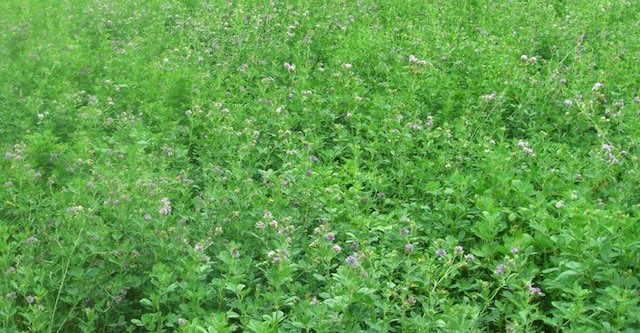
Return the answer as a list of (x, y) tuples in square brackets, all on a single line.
[(319, 166)]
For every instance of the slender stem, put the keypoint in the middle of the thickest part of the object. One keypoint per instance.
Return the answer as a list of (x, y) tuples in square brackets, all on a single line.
[(489, 301), (64, 277), (435, 285)]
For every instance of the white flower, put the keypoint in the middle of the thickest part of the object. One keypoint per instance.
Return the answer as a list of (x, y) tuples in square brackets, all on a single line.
[(597, 86), (414, 60), (489, 97), (290, 67)]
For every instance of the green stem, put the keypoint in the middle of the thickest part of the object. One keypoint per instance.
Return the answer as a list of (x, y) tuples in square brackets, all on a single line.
[(64, 277), (435, 285), (489, 301)]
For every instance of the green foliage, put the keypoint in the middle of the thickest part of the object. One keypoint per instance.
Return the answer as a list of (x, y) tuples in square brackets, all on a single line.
[(319, 166)]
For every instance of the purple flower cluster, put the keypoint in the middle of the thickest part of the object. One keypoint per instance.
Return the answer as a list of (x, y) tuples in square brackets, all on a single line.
[(166, 206), (608, 151), (278, 256), (525, 147), (352, 261), (408, 248), (535, 291)]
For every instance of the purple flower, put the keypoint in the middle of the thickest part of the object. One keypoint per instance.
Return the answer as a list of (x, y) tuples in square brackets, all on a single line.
[(470, 257), (354, 246), (330, 237), (30, 299), (500, 269), (515, 250), (404, 231), (313, 158), (8, 155), (352, 261), (167, 150), (408, 248), (31, 240), (459, 249), (336, 248), (441, 253), (535, 291), (182, 321)]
